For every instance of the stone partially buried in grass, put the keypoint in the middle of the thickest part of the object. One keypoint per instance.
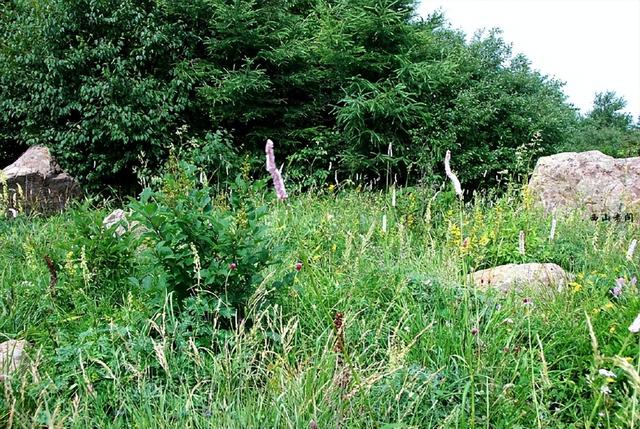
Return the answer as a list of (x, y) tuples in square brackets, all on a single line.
[(11, 355), (532, 277), (120, 219), (36, 183)]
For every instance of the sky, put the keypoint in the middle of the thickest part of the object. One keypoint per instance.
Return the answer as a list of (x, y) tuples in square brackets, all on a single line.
[(591, 45)]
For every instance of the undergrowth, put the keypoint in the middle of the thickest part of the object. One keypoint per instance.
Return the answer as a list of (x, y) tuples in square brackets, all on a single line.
[(350, 323)]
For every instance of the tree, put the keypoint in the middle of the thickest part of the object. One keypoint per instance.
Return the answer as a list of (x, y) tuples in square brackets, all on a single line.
[(607, 111), (607, 128), (363, 86)]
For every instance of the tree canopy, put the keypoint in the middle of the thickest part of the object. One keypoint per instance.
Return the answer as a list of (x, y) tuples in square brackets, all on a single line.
[(364, 87)]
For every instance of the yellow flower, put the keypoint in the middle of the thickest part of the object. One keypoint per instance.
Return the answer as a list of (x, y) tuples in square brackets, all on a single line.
[(612, 329), (575, 287), (331, 187), (527, 197), (608, 306), (455, 235), (410, 220)]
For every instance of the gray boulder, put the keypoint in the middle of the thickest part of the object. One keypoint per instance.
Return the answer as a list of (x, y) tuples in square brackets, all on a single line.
[(600, 185), (532, 277), (120, 218), (36, 183), (11, 355)]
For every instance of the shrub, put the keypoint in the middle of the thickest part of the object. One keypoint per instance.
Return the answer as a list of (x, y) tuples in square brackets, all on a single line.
[(211, 245)]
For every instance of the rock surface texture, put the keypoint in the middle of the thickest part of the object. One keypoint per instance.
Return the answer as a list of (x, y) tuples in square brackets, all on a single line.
[(599, 184), (117, 216), (36, 183), (520, 277), (120, 218), (11, 354)]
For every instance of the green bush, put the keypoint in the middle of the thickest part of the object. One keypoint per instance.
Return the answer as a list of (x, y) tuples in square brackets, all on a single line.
[(214, 246)]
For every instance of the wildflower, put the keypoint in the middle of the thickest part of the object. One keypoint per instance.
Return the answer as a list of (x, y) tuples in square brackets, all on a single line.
[(634, 281), (276, 174), (606, 373), (233, 266), (454, 233), (527, 301), (465, 244), (451, 175), (196, 263), (605, 390), (575, 287), (475, 331), (632, 249), (634, 328), (298, 266), (608, 306), (521, 243), (617, 289)]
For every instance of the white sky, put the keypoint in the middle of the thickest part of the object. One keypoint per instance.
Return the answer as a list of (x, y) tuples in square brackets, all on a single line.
[(592, 45)]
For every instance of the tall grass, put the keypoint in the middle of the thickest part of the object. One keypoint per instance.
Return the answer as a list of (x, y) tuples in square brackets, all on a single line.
[(419, 346)]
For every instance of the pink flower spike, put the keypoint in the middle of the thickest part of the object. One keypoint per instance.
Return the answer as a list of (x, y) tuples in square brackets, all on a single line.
[(475, 331), (298, 266), (617, 290), (276, 175), (233, 266)]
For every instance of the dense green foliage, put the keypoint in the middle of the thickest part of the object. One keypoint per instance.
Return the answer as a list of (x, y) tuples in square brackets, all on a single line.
[(220, 306), (109, 346), (356, 87), (213, 247), (607, 128)]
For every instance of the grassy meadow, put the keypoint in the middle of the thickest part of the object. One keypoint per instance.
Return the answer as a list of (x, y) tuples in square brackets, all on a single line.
[(363, 318)]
